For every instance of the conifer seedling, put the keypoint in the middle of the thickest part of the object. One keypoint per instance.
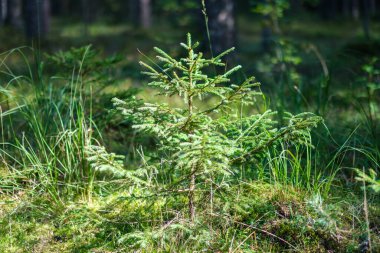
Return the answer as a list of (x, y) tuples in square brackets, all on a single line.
[(199, 144)]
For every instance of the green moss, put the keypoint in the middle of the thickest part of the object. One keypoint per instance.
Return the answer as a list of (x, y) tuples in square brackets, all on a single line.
[(119, 222)]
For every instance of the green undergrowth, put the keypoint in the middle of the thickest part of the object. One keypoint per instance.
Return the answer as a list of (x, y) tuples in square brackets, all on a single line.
[(208, 167), (262, 218)]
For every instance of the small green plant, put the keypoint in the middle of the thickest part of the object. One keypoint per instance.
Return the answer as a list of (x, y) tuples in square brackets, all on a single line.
[(370, 108), (198, 145), (273, 10), (370, 178)]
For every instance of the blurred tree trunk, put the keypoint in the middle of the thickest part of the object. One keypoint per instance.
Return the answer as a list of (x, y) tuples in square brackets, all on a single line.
[(328, 9), (366, 4), (90, 12), (355, 9), (59, 7), (324, 9), (2, 13), (266, 38), (37, 17), (140, 13), (221, 24), (65, 6), (296, 5), (373, 7), (86, 15), (145, 13), (333, 8), (133, 9), (46, 7), (346, 7), (13, 13)]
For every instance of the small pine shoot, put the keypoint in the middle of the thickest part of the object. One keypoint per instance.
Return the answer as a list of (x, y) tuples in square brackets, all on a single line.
[(199, 144)]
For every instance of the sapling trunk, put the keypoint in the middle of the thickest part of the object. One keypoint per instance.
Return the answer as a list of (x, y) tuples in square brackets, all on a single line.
[(191, 194), (193, 168)]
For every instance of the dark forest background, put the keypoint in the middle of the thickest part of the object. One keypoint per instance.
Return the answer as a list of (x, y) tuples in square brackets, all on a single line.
[(67, 20)]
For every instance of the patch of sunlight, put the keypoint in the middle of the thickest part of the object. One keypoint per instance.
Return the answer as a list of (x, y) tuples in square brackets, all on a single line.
[(95, 29)]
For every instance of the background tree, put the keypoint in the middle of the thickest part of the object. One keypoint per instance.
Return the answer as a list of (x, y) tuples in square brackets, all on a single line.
[(13, 13), (346, 7), (133, 11), (328, 8), (145, 13), (222, 25), (373, 6), (60, 7), (140, 12), (37, 17), (86, 14), (271, 11), (2, 11), (355, 9), (366, 5)]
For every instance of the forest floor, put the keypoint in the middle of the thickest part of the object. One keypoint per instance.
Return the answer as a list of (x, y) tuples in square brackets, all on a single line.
[(265, 216)]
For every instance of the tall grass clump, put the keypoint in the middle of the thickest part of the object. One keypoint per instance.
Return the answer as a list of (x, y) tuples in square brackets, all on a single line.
[(51, 133)]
